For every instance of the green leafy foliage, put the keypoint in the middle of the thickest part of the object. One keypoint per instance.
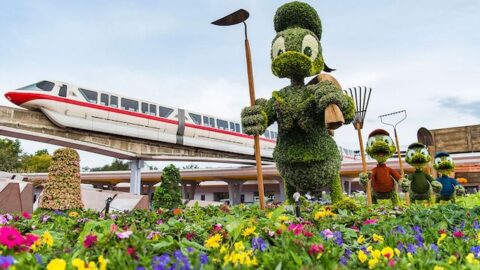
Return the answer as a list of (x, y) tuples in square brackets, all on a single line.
[(39, 162), (168, 195), (62, 190), (116, 165), (297, 14), (10, 155)]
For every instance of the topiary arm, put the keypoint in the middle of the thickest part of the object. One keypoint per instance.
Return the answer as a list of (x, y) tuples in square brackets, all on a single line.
[(364, 178), (429, 178), (255, 119), (328, 93), (405, 183)]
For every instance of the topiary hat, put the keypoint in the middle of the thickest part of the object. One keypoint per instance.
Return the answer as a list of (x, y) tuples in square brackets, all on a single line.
[(378, 131), (416, 145), (442, 154), (297, 14)]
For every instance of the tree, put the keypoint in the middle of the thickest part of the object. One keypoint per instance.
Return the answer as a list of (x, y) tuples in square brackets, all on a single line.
[(39, 162), (168, 194), (62, 190), (10, 155), (116, 165)]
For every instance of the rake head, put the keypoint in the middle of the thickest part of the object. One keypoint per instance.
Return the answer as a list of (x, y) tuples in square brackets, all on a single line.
[(402, 114), (361, 97)]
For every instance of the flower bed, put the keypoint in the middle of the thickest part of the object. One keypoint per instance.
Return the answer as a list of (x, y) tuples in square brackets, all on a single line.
[(439, 237)]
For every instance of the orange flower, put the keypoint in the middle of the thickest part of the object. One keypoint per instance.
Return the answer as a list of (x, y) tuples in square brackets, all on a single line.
[(177, 211), (462, 180)]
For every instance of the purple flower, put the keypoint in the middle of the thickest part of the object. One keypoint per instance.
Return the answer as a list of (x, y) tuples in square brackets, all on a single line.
[(400, 246), (476, 226), (258, 243), (9, 217), (124, 234), (113, 216), (434, 248), (347, 253), (190, 249), (159, 221), (45, 218), (178, 255), (152, 234), (417, 229), (159, 262), (411, 248), (400, 229), (38, 258), (364, 249), (203, 258), (6, 261), (419, 239), (59, 213), (343, 260), (475, 250), (327, 233), (3, 220), (140, 268), (338, 238)]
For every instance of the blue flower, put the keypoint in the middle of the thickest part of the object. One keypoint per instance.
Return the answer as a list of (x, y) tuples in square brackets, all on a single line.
[(338, 238), (347, 253), (434, 248), (38, 258), (411, 248), (475, 250), (190, 249), (400, 229), (476, 226), (419, 239), (343, 260), (417, 229), (140, 268), (6, 261), (203, 258), (400, 246), (258, 243), (158, 262)]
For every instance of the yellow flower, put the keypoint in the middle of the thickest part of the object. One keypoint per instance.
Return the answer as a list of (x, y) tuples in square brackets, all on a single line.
[(377, 238), (478, 237), (240, 258), (438, 268), (223, 249), (102, 262), (249, 231), (269, 215), (362, 257), (239, 246), (47, 238), (452, 259), (57, 264), (376, 254), (214, 241), (409, 255), (283, 218), (369, 248), (360, 239), (372, 263), (387, 252), (324, 213), (73, 214), (471, 259), (441, 238), (36, 245)]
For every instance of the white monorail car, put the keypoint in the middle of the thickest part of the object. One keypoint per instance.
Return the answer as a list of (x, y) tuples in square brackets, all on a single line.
[(77, 107)]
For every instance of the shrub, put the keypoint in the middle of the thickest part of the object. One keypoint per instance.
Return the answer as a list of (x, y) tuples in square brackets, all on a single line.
[(62, 190), (168, 194)]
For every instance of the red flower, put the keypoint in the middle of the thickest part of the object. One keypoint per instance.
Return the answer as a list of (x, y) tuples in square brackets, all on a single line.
[(370, 221), (113, 227), (131, 251), (307, 233), (278, 231), (26, 215), (315, 249), (11, 237), (296, 228), (90, 240), (442, 231), (30, 239), (458, 234), (190, 236)]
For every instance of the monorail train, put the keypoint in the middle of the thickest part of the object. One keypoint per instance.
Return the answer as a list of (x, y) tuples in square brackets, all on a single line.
[(77, 107)]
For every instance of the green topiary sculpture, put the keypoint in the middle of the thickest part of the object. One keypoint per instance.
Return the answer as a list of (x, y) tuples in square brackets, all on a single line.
[(444, 166), (168, 194), (306, 155), (62, 190)]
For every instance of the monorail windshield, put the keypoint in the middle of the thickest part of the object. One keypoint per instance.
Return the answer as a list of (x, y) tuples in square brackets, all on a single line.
[(43, 85)]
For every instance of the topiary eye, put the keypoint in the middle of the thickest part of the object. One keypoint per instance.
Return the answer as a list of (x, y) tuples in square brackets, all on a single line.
[(307, 51), (279, 52), (310, 46), (278, 47)]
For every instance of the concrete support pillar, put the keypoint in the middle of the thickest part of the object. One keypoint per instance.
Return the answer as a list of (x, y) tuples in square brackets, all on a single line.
[(234, 191), (193, 187), (281, 185), (189, 187), (184, 191), (136, 176)]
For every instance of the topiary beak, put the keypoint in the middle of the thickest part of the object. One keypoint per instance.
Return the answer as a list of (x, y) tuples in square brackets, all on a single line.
[(292, 64)]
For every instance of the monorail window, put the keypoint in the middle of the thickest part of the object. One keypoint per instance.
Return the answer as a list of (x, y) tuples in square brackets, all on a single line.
[(232, 126), (222, 124), (90, 96), (212, 122), (153, 109), (206, 121), (129, 105), (164, 111), (114, 101), (266, 134), (45, 85), (104, 99), (144, 107), (237, 127), (273, 135), (63, 91), (196, 118)]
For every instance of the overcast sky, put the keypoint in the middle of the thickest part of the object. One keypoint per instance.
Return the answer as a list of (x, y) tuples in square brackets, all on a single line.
[(421, 56)]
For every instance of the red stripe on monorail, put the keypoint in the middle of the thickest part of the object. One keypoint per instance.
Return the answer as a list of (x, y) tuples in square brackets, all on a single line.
[(20, 98)]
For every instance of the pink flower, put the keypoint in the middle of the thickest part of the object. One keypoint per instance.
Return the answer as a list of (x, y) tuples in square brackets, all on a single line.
[(113, 227), (159, 221), (26, 215), (131, 251), (90, 240), (370, 221), (458, 234), (327, 233), (307, 233), (315, 249), (30, 239), (296, 228), (217, 227), (391, 263), (3, 220), (124, 234), (189, 236), (11, 237)]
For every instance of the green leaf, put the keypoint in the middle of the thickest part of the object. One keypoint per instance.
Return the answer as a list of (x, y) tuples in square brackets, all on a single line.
[(279, 266), (162, 245), (196, 245), (297, 260)]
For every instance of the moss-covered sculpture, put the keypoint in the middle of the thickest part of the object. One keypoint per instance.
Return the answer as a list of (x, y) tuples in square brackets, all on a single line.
[(62, 190), (444, 166), (420, 184), (306, 155), (168, 195), (384, 180)]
